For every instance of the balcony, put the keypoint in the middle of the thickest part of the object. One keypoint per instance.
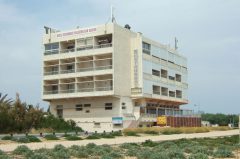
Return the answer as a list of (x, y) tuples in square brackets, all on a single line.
[(89, 43), (79, 85), (97, 89)]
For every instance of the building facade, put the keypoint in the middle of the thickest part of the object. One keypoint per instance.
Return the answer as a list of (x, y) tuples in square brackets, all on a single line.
[(108, 77)]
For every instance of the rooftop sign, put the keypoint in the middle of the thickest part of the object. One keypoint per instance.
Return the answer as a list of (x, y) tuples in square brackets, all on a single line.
[(82, 31)]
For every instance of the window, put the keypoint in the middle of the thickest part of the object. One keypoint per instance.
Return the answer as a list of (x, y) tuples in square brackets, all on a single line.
[(78, 107), (87, 105), (155, 72), (87, 111), (178, 78), (146, 48), (70, 67), (52, 46), (96, 124), (108, 106), (164, 91), (164, 73), (123, 107), (171, 78), (171, 93), (178, 94), (156, 89)]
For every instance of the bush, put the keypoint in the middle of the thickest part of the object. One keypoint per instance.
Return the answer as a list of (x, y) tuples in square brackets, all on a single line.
[(51, 137), (78, 151), (33, 138), (175, 153), (22, 150), (130, 133), (112, 155), (198, 156), (38, 156), (151, 132), (23, 140), (129, 145), (223, 152), (60, 152), (93, 136), (107, 135), (117, 133), (149, 143), (7, 138), (133, 151), (73, 137)]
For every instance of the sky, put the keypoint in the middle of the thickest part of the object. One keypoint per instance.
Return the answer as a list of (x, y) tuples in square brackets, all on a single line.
[(208, 33)]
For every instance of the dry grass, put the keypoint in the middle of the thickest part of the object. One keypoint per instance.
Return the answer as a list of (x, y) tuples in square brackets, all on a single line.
[(171, 130)]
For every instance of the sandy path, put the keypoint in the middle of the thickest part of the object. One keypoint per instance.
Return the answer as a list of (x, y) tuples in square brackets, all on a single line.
[(119, 140)]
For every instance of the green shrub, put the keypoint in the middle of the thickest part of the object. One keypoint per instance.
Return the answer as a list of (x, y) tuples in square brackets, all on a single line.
[(197, 149), (175, 153), (73, 137), (130, 133), (4, 157), (38, 156), (93, 136), (33, 138), (117, 133), (7, 138), (107, 136), (223, 152), (78, 151), (198, 156), (51, 137), (133, 151), (22, 150), (60, 152), (129, 145), (144, 154), (149, 143), (112, 155), (23, 140)]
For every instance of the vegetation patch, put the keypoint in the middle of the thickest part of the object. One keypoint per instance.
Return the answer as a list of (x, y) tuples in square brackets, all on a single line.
[(51, 137), (73, 137)]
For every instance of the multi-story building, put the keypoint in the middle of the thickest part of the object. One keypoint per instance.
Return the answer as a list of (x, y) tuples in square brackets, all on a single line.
[(108, 77)]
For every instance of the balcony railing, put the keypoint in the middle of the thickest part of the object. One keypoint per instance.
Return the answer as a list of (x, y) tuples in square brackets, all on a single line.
[(51, 92), (67, 71), (79, 70), (51, 52), (67, 50), (51, 73), (81, 48), (109, 88)]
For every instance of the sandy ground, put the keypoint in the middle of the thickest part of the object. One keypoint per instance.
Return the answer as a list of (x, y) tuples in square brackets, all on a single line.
[(8, 147)]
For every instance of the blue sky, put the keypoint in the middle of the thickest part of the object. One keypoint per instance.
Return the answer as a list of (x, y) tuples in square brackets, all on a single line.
[(208, 33)]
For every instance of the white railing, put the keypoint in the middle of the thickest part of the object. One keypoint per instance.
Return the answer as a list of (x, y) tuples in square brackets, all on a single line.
[(67, 50), (51, 92), (109, 88), (81, 48), (67, 71), (51, 73), (51, 52)]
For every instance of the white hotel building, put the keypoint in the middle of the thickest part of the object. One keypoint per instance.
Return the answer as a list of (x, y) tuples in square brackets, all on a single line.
[(108, 77)]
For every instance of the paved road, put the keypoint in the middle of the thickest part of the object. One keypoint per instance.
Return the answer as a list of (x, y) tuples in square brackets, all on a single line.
[(119, 140)]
